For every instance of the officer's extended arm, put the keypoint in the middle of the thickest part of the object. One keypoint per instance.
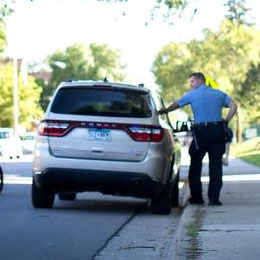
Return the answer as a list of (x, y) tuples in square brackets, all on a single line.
[(232, 111), (172, 107)]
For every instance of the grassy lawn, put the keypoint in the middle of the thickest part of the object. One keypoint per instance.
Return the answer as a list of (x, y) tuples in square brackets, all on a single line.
[(248, 151)]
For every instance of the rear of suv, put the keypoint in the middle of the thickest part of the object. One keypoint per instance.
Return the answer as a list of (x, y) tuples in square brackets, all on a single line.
[(106, 137)]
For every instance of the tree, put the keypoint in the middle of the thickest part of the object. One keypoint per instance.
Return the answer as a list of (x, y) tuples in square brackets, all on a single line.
[(168, 8), (69, 64), (2, 37), (171, 67), (78, 62), (225, 56), (29, 96), (237, 12), (249, 93), (5, 10)]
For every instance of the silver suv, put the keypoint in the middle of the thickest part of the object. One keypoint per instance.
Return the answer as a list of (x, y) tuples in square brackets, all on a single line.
[(106, 137)]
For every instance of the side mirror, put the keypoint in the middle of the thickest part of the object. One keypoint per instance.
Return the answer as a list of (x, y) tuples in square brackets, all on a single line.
[(182, 126)]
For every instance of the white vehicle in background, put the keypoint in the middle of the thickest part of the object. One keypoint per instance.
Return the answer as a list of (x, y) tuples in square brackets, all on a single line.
[(28, 142), (10, 144)]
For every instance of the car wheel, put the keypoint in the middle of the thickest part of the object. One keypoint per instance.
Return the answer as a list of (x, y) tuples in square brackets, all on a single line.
[(1, 179), (42, 198), (175, 191), (161, 203), (67, 196)]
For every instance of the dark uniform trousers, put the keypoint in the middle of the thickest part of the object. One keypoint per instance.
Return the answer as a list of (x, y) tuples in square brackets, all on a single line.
[(211, 140)]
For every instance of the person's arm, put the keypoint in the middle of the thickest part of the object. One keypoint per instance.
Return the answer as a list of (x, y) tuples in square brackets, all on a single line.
[(172, 107), (232, 111)]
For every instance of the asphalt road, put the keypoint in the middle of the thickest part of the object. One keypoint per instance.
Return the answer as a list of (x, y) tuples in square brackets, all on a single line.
[(71, 230)]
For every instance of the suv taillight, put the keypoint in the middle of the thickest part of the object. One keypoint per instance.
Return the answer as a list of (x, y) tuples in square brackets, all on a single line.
[(146, 134), (142, 133), (54, 128), (157, 134)]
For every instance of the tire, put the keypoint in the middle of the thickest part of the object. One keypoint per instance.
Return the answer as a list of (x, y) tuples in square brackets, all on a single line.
[(175, 191), (1, 179), (67, 196), (161, 203), (42, 198)]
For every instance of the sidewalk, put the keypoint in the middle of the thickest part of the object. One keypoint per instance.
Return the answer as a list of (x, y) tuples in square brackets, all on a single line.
[(147, 236), (227, 232)]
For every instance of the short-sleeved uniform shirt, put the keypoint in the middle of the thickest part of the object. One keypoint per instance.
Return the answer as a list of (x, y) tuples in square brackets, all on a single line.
[(206, 103)]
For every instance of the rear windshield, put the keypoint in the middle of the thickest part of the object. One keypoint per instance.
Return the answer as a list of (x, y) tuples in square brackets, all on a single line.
[(102, 102)]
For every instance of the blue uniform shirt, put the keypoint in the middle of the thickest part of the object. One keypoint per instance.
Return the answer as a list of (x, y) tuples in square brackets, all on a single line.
[(206, 103)]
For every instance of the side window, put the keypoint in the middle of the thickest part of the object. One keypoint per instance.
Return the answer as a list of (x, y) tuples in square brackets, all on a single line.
[(158, 104), (156, 101)]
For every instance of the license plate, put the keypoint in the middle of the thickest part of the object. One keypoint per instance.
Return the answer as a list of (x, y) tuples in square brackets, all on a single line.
[(99, 135)]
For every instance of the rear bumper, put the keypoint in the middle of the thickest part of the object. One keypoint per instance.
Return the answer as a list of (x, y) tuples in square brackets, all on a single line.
[(107, 182)]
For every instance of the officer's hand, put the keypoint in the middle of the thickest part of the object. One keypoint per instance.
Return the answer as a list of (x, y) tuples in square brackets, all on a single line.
[(162, 111)]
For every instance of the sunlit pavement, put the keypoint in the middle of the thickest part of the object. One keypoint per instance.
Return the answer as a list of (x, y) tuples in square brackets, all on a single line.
[(23, 158), (147, 236), (17, 171), (71, 230), (141, 235), (124, 225), (227, 232), (111, 218)]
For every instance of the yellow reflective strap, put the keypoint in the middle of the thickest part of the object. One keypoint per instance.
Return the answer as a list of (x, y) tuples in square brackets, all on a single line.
[(211, 82)]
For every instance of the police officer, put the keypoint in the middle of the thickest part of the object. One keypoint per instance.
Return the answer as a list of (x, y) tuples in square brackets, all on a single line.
[(209, 135)]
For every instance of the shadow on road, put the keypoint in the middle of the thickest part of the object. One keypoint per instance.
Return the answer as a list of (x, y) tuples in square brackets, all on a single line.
[(87, 201), (94, 201)]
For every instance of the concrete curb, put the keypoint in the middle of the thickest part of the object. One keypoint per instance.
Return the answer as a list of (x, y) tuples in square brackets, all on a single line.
[(180, 231), (180, 242)]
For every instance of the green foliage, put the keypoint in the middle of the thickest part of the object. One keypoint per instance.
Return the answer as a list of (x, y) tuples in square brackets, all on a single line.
[(166, 9), (2, 37), (78, 62), (171, 8), (224, 56), (5, 10), (248, 151), (249, 93), (237, 12), (29, 96), (45, 93), (71, 64), (105, 63), (170, 4), (171, 67)]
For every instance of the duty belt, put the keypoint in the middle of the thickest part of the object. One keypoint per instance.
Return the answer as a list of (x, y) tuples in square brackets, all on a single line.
[(208, 123), (197, 125)]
